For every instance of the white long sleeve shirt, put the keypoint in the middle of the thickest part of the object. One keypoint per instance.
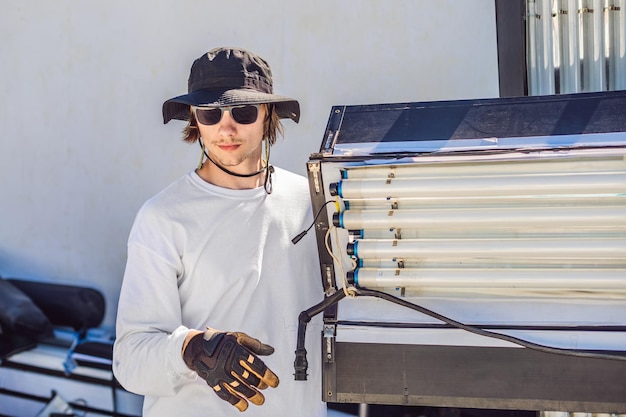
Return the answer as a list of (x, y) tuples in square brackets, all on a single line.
[(200, 255)]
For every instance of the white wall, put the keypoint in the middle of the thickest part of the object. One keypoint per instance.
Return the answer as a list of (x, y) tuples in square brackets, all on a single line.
[(82, 144)]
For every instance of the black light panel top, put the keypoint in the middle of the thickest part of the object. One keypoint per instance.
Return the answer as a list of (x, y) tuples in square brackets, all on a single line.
[(574, 120)]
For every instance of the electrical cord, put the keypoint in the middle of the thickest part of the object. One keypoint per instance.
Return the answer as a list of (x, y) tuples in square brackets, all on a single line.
[(304, 232), (482, 332), (301, 363), (503, 326), (349, 290)]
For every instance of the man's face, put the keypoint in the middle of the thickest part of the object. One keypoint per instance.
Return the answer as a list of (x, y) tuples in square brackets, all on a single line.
[(234, 145)]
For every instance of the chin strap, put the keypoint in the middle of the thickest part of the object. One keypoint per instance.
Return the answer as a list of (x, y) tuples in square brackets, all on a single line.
[(269, 170)]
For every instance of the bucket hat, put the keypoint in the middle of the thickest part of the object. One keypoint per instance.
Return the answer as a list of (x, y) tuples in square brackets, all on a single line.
[(229, 77)]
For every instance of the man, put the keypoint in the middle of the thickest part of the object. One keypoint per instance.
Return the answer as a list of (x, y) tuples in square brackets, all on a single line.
[(209, 305)]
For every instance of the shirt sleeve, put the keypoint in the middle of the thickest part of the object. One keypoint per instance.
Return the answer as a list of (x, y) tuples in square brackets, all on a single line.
[(147, 357)]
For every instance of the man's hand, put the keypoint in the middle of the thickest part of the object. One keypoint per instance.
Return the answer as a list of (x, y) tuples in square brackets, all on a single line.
[(228, 362)]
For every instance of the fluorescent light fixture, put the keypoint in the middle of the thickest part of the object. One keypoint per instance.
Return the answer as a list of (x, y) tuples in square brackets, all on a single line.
[(553, 225)]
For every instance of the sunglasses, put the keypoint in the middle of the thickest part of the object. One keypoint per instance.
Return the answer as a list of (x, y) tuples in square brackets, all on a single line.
[(244, 114)]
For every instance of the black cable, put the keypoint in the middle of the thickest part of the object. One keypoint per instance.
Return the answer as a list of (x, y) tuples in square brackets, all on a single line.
[(403, 325), (304, 232), (301, 364), (487, 333)]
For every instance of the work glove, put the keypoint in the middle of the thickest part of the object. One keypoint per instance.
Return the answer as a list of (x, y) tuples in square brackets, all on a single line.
[(228, 362)]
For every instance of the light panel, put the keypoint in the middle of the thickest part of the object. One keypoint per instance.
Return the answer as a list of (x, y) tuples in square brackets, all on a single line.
[(549, 225)]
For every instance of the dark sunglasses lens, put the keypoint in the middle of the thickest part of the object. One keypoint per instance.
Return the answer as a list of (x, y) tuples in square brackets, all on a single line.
[(245, 114), (209, 116)]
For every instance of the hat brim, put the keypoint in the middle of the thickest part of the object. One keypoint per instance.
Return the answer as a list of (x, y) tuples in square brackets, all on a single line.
[(178, 107)]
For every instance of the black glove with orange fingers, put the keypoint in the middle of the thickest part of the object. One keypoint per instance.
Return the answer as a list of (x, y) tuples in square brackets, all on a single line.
[(228, 362)]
